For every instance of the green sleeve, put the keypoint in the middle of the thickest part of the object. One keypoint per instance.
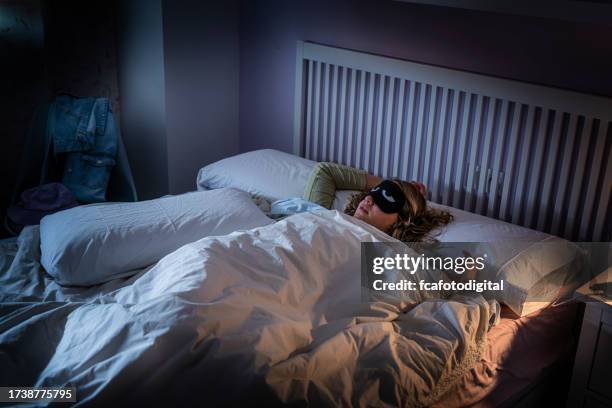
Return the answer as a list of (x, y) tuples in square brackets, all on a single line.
[(326, 178)]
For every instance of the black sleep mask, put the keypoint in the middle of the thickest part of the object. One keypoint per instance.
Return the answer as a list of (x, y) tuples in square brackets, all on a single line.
[(388, 196)]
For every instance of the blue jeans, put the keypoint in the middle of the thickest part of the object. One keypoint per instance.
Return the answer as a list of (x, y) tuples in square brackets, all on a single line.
[(85, 130)]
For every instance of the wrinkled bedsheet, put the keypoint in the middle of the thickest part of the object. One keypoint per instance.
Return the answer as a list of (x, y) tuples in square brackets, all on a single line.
[(273, 312), (23, 279), (519, 352)]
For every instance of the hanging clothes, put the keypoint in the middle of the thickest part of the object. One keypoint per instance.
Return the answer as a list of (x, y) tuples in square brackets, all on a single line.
[(84, 129)]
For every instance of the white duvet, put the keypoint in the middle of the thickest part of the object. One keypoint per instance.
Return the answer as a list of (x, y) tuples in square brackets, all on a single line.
[(273, 313)]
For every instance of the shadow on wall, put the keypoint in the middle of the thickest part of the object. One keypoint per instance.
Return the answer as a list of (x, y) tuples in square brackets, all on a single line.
[(22, 56), (47, 47)]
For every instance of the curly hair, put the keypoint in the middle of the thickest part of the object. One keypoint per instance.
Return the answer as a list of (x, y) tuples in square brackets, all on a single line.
[(415, 221)]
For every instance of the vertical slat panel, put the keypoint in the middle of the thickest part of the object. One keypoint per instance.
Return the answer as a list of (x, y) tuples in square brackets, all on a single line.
[(398, 129), (325, 123), (453, 134), (352, 103), (369, 118), (409, 135), (564, 176), (523, 164), (534, 176), (589, 200), (431, 120), (497, 159), (603, 208), (378, 133), (460, 157), (316, 108), (435, 191), (483, 182), (416, 157), (578, 169), (388, 126), (310, 87), (509, 165), (474, 143), (342, 116), (360, 119), (300, 105), (332, 125), (549, 174)]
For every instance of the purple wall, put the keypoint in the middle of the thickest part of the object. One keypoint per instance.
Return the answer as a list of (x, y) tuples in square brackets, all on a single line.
[(570, 55), (178, 66), (201, 63), (140, 67)]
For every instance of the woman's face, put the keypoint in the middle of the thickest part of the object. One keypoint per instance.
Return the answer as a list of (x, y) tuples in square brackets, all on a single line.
[(369, 212)]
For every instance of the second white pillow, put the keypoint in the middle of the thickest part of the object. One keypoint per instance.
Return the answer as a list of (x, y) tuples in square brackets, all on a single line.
[(92, 244)]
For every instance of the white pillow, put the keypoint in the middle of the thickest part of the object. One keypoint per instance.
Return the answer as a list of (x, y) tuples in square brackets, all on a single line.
[(268, 173), (535, 274), (96, 243), (537, 268), (470, 227), (342, 199)]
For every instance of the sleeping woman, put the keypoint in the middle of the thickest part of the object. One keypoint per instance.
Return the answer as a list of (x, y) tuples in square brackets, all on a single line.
[(394, 206)]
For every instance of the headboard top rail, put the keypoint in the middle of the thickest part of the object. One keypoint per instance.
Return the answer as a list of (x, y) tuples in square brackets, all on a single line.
[(516, 91)]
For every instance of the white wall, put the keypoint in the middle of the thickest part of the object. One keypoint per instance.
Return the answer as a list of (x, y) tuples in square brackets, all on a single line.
[(142, 94)]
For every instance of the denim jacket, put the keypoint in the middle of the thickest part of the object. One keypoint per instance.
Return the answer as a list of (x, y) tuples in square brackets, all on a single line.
[(85, 130)]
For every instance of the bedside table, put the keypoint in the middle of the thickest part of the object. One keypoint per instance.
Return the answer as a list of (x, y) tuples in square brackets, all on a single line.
[(591, 384)]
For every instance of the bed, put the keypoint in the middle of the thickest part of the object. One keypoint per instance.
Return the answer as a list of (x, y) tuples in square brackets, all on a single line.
[(254, 311), (264, 313)]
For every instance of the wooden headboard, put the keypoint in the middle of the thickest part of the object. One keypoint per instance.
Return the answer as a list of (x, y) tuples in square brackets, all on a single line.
[(528, 154)]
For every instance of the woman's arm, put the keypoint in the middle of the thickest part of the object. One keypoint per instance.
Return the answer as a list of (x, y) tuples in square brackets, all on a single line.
[(326, 178)]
